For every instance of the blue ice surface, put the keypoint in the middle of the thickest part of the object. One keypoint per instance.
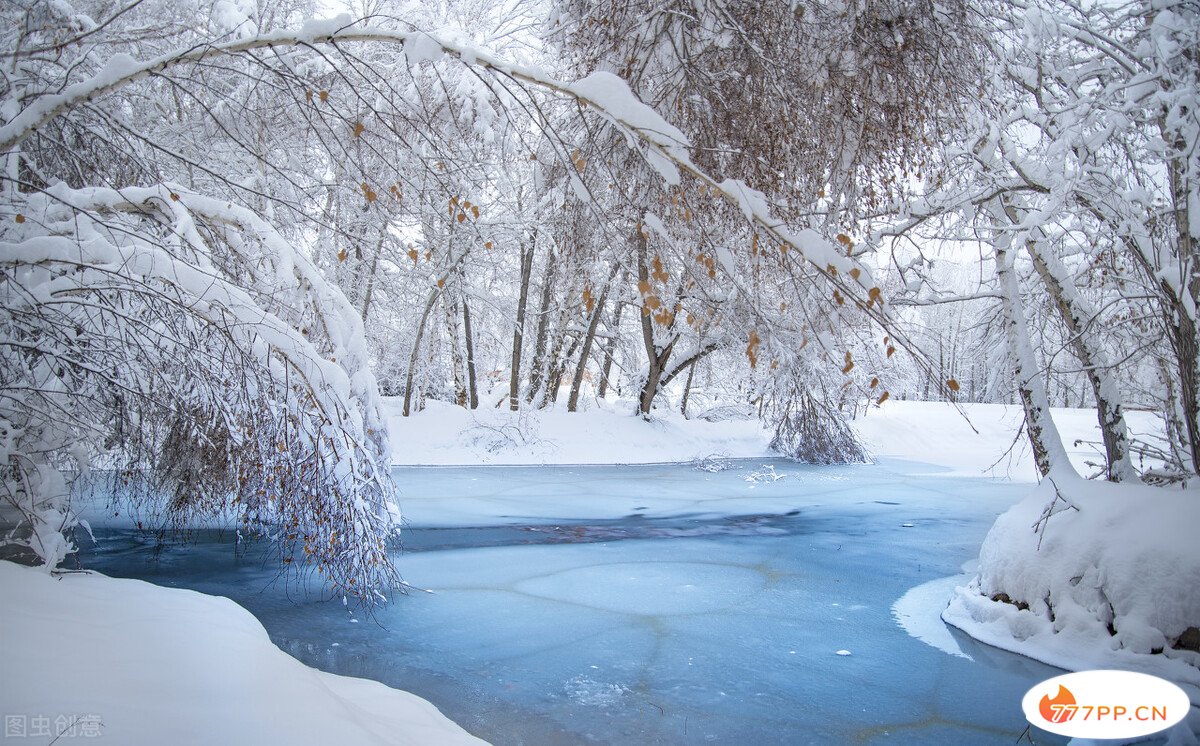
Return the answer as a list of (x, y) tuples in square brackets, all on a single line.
[(652, 604)]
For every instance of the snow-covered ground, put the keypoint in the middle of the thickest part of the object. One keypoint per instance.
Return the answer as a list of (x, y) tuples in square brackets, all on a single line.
[(445, 435), (87, 655), (984, 441), (936, 433)]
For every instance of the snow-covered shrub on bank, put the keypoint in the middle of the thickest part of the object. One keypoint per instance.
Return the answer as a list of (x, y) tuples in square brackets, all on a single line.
[(1092, 575), (171, 334), (813, 431)]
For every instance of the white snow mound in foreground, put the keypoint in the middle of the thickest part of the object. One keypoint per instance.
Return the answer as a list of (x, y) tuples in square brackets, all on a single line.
[(160, 665), (1114, 584)]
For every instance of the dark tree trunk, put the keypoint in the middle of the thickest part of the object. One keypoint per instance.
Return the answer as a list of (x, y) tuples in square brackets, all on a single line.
[(370, 291), (456, 354), (687, 390), (410, 375), (472, 383), (656, 356), (610, 350), (558, 367), (514, 381), (537, 370), (1185, 344), (589, 337)]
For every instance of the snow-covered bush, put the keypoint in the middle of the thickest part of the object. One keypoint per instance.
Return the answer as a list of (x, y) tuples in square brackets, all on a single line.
[(712, 463), (814, 432), (521, 432), (163, 332)]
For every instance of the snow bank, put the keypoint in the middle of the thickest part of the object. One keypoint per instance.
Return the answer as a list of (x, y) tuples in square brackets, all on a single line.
[(936, 433), (141, 664), (1115, 582), (929, 432), (446, 435)]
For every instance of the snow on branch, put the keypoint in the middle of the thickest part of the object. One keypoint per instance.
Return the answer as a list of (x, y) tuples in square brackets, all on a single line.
[(179, 335), (666, 148)]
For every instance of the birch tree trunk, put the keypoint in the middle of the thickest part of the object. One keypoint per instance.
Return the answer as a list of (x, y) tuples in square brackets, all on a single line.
[(1076, 315), (1048, 451)]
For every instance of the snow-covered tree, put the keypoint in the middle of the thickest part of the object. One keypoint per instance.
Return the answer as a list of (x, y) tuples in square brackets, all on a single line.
[(161, 309), (486, 220), (1084, 172), (177, 334), (824, 109)]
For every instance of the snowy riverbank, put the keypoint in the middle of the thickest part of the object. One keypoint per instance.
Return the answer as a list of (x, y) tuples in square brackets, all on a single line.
[(130, 668), (1113, 582), (933, 433), (87, 655), (1147, 579)]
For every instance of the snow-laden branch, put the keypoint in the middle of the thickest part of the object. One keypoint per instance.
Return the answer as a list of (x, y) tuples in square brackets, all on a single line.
[(666, 148), (164, 330)]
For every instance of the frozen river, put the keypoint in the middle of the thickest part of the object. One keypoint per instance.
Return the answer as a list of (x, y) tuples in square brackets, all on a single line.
[(661, 604)]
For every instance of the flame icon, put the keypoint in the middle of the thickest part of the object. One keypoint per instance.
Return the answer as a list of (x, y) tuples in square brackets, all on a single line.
[(1056, 710)]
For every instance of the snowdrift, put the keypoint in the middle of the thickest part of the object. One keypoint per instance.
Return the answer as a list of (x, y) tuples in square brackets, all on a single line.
[(1112, 580), (607, 432), (446, 435), (134, 663)]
